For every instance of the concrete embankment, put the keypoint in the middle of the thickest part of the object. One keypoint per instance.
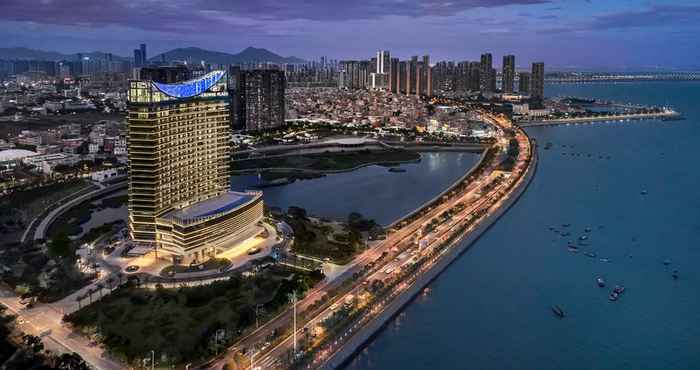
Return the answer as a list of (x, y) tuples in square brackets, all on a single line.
[(357, 341), (621, 117)]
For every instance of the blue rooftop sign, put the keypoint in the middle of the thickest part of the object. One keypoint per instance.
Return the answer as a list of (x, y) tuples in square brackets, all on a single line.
[(190, 88)]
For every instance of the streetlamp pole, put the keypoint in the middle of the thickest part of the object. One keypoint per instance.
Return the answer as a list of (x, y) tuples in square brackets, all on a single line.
[(294, 305), (153, 359)]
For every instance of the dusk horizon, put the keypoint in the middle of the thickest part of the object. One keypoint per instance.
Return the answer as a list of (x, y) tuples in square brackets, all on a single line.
[(564, 34)]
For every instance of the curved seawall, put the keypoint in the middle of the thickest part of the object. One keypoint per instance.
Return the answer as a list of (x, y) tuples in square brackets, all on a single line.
[(358, 341)]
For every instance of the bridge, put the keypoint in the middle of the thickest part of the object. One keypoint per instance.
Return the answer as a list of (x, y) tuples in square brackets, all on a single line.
[(632, 77)]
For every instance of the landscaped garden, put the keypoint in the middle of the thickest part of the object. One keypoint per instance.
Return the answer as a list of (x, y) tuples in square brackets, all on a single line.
[(21, 207), (70, 222), (181, 325), (339, 242)]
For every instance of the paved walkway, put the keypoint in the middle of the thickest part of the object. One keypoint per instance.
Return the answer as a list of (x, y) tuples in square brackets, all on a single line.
[(42, 228), (60, 338)]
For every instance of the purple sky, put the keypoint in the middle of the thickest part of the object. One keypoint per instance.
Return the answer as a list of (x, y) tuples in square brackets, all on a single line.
[(576, 33)]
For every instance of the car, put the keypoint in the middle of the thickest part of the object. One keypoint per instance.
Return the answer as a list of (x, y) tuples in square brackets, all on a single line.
[(254, 250), (132, 268), (45, 333)]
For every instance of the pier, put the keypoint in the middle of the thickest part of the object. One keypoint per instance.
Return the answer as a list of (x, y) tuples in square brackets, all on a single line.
[(667, 114)]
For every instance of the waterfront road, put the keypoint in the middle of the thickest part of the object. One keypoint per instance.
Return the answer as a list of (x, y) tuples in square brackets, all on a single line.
[(401, 241)]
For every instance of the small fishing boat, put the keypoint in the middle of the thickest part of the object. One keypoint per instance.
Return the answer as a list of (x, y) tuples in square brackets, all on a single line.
[(558, 311)]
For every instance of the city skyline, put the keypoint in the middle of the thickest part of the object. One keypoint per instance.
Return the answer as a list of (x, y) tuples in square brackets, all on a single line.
[(451, 31)]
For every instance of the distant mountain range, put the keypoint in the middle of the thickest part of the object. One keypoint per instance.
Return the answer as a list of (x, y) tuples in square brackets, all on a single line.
[(191, 54), (33, 54), (249, 55)]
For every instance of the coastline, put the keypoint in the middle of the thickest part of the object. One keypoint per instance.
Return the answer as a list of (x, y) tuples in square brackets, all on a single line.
[(621, 117), (358, 341), (442, 193), (321, 172)]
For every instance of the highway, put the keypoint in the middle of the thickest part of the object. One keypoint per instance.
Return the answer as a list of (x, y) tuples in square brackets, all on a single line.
[(400, 243)]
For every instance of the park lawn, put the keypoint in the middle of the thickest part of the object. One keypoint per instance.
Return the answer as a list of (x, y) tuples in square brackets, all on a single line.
[(33, 202), (180, 324), (330, 161), (321, 241), (70, 221)]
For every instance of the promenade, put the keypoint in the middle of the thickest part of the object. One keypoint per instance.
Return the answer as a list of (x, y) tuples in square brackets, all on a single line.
[(613, 118), (477, 207), (400, 300), (43, 226)]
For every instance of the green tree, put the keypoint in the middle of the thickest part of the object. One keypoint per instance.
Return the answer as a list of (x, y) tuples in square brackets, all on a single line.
[(33, 343), (71, 361), (60, 245)]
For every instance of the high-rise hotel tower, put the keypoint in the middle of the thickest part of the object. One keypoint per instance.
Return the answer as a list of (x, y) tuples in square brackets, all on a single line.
[(179, 155)]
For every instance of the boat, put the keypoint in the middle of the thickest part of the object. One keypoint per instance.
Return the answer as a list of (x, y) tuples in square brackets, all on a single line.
[(565, 225), (601, 282), (675, 274), (644, 192), (619, 289), (590, 254), (605, 260), (558, 311), (548, 145), (667, 262), (613, 296), (397, 169), (588, 230), (583, 237), (565, 233)]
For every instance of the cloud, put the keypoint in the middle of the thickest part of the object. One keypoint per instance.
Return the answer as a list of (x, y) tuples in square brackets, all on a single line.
[(655, 16), (202, 15), (660, 15)]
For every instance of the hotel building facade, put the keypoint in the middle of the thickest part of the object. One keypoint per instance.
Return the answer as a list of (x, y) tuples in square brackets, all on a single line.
[(179, 158)]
